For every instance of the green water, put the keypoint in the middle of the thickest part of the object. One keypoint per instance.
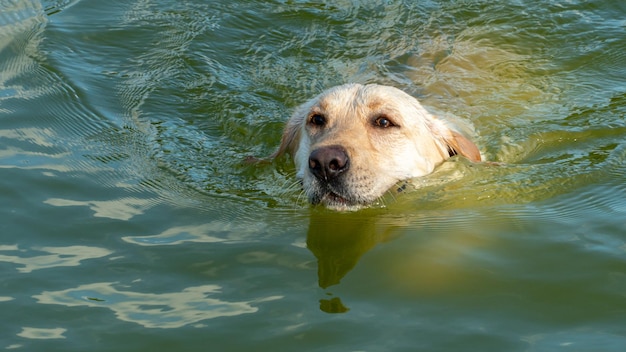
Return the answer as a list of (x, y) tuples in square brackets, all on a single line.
[(129, 223)]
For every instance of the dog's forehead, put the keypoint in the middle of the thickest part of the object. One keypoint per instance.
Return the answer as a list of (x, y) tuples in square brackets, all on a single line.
[(361, 100)]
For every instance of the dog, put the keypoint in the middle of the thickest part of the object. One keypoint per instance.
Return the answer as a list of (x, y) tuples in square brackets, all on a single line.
[(353, 143)]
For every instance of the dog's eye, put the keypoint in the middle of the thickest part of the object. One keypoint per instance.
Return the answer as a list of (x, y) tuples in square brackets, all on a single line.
[(317, 120), (383, 122)]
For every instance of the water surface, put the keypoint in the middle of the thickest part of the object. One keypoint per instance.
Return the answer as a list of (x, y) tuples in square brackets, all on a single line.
[(129, 222)]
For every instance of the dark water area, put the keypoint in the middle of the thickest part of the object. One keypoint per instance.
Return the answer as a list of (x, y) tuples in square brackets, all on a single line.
[(130, 223)]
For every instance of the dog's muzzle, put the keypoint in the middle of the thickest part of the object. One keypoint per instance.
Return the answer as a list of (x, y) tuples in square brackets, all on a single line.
[(329, 162)]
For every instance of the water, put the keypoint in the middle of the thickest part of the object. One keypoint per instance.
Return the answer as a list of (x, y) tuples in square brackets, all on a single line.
[(129, 222)]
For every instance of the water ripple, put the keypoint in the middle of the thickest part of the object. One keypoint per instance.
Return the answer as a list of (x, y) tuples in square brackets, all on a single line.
[(55, 257), (151, 310), (213, 232), (42, 333), (120, 209)]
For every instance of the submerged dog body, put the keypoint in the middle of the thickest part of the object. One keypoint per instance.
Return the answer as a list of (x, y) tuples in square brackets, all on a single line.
[(353, 142)]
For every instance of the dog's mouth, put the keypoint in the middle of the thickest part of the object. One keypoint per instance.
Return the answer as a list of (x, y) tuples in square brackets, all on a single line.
[(337, 195), (342, 200), (333, 198), (336, 201)]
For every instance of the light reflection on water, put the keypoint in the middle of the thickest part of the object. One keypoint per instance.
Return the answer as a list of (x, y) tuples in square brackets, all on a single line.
[(54, 257), (165, 310), (38, 333), (206, 233), (120, 209)]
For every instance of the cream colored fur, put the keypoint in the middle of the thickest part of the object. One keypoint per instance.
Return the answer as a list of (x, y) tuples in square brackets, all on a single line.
[(387, 136)]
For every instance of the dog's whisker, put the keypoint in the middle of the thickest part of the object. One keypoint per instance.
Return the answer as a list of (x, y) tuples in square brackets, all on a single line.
[(293, 186), (382, 200), (302, 199), (288, 187), (302, 195)]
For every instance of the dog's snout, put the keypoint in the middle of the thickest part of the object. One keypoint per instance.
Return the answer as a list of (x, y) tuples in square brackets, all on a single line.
[(328, 162)]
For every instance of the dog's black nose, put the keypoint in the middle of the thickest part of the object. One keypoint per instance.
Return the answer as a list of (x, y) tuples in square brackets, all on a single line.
[(328, 162)]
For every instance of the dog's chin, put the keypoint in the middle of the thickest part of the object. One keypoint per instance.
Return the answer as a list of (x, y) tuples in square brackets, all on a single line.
[(339, 196), (335, 201)]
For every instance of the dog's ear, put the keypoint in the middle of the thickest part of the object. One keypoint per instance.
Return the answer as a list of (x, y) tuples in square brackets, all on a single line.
[(288, 143), (461, 145), (291, 137), (452, 141)]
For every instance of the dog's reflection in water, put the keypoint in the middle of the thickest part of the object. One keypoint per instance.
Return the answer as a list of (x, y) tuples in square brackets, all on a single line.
[(338, 240)]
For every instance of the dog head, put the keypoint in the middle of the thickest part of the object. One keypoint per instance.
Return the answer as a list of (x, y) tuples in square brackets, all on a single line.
[(354, 142)]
